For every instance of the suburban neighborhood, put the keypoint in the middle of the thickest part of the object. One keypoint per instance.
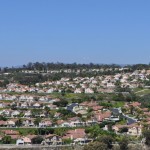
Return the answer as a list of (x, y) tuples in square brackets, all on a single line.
[(75, 110)]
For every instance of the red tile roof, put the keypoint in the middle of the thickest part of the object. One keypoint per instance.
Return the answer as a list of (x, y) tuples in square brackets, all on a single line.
[(74, 134), (3, 122), (135, 104), (10, 132)]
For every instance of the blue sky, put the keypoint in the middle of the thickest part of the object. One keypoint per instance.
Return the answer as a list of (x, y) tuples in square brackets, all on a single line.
[(82, 31)]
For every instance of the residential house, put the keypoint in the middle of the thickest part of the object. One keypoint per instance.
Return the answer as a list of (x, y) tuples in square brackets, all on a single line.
[(134, 129), (78, 90), (75, 135), (27, 114), (45, 123), (5, 112), (88, 90), (63, 123), (14, 134), (102, 116), (91, 122), (10, 123), (36, 105), (23, 141), (15, 113), (2, 105), (76, 122), (57, 115), (53, 139), (3, 123), (24, 105), (19, 141), (28, 122)]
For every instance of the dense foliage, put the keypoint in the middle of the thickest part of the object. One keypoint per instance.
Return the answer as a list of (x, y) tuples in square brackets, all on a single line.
[(96, 146), (146, 134)]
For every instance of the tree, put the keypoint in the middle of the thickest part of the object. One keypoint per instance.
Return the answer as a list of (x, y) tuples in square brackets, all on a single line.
[(107, 140), (131, 109), (19, 122), (37, 121), (44, 131), (118, 97), (123, 143), (146, 134), (37, 140), (95, 146), (47, 110), (4, 83), (67, 141), (3, 118), (63, 92), (35, 112), (66, 113), (95, 131), (60, 131), (6, 139), (62, 103)]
